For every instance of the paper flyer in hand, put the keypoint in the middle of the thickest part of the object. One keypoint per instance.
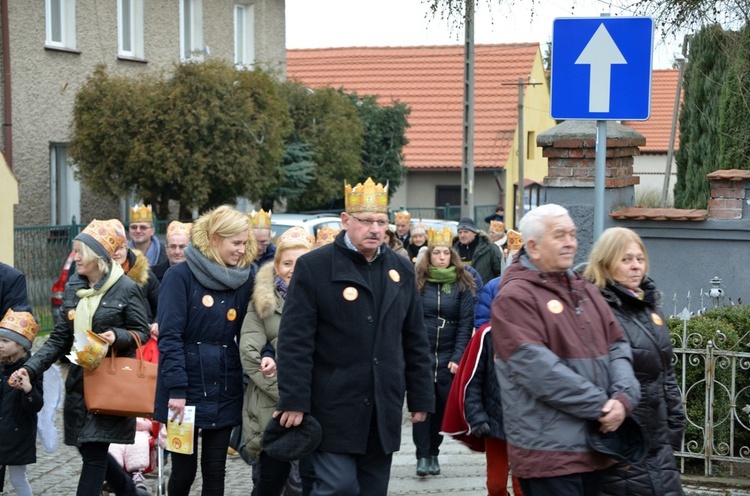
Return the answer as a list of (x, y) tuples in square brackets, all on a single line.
[(89, 349), (180, 436)]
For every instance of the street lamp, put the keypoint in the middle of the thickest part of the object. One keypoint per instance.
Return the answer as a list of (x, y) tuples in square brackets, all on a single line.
[(716, 293)]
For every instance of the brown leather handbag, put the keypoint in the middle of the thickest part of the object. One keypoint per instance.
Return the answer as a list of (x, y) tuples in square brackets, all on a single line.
[(121, 386)]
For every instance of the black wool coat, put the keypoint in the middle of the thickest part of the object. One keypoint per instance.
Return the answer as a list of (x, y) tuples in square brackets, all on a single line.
[(121, 309), (342, 357), (660, 410), (18, 415)]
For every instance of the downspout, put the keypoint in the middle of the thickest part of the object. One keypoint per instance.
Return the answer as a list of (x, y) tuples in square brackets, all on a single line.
[(7, 98)]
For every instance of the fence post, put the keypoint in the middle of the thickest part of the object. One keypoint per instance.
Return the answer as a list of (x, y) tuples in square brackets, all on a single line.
[(708, 424)]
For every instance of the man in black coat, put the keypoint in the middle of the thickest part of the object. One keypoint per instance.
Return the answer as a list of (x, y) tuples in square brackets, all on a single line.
[(12, 289), (351, 343)]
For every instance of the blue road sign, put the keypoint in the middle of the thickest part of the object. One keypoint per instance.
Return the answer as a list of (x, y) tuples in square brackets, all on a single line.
[(601, 68)]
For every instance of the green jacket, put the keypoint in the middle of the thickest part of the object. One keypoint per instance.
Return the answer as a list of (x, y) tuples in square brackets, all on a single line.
[(487, 258)]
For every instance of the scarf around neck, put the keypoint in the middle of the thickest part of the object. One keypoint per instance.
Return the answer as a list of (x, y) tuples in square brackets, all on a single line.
[(281, 286), (152, 252), (445, 277), (91, 297), (212, 275)]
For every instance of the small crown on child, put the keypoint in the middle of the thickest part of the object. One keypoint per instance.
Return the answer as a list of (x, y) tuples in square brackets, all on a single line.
[(367, 197), (22, 323)]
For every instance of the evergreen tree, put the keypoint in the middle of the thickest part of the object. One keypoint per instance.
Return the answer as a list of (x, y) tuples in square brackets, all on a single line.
[(297, 168), (734, 125), (699, 118)]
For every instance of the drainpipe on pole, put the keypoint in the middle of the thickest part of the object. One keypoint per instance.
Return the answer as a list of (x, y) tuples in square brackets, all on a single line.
[(7, 94), (670, 154)]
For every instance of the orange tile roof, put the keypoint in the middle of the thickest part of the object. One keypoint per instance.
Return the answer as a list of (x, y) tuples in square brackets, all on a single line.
[(658, 127), (429, 79)]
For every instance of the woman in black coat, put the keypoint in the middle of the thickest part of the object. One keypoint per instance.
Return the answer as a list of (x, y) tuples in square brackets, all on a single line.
[(99, 298), (618, 266), (447, 291)]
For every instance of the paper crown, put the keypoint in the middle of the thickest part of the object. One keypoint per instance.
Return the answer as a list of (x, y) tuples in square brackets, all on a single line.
[(418, 228), (403, 217), (92, 354), (102, 237), (367, 197), (144, 213), (325, 235), (177, 227), (497, 227), (260, 220), (295, 237), (22, 323), (119, 229), (442, 237), (515, 240)]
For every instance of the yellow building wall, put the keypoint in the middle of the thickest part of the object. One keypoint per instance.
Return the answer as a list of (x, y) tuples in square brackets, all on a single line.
[(8, 198), (536, 119)]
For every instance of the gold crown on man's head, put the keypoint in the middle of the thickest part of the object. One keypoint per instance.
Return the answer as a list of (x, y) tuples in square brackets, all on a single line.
[(260, 220), (367, 197), (144, 213), (403, 217), (442, 237)]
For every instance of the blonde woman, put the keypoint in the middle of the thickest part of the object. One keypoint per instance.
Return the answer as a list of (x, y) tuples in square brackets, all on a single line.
[(203, 303), (618, 265), (261, 328)]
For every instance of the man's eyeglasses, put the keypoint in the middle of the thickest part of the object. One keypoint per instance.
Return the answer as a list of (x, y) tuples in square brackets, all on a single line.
[(370, 222), (176, 247), (139, 227), (264, 243)]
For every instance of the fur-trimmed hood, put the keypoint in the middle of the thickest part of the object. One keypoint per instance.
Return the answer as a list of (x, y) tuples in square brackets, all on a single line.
[(264, 293), (139, 267)]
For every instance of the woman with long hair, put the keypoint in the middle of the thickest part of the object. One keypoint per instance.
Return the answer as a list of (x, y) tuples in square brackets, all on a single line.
[(203, 303), (618, 265), (447, 291)]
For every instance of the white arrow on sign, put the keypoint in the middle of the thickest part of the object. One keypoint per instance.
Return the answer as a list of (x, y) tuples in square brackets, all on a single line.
[(600, 53)]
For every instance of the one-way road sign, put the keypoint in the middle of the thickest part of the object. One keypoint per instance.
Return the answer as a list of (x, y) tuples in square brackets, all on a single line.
[(601, 68)]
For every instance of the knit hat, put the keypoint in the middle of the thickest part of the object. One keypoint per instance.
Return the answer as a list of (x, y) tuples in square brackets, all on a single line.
[(19, 327), (467, 224), (101, 237), (292, 443)]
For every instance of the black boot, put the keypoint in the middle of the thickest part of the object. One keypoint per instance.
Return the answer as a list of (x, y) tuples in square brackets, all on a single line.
[(423, 466), (434, 466)]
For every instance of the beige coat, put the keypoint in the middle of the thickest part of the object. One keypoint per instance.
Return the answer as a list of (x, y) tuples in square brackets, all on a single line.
[(260, 327)]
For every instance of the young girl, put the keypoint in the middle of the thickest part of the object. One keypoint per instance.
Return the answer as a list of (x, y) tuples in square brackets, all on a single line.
[(20, 399)]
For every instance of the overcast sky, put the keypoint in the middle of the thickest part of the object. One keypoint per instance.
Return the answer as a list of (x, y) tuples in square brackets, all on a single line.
[(340, 23)]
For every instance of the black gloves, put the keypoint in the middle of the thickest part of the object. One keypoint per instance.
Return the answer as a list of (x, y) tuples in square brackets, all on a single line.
[(481, 430)]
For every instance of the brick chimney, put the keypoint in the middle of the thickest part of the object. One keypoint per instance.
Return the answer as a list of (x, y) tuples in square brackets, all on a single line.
[(728, 193), (570, 148)]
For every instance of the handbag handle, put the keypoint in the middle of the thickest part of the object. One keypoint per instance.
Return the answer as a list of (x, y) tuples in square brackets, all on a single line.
[(141, 367)]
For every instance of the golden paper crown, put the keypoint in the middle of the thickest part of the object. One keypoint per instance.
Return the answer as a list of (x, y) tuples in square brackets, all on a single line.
[(120, 230), (325, 235), (515, 240), (418, 228), (22, 323), (443, 237), (367, 197), (144, 213), (403, 217), (104, 233), (260, 220), (295, 237), (497, 227), (92, 354), (177, 227)]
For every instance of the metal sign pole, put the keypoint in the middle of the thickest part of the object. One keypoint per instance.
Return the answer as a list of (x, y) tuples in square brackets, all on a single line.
[(600, 172)]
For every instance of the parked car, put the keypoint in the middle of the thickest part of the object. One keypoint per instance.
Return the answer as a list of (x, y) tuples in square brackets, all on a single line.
[(311, 222), (437, 224)]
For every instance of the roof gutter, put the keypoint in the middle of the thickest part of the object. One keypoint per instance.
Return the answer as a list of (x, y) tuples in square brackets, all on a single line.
[(7, 93)]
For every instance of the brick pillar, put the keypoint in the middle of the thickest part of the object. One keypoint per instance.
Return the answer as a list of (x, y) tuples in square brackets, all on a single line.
[(570, 148), (728, 192)]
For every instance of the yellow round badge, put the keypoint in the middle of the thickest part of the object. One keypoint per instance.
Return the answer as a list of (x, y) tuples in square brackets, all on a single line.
[(395, 276), (71, 314), (208, 301), (656, 319), (231, 314), (350, 294), (555, 306)]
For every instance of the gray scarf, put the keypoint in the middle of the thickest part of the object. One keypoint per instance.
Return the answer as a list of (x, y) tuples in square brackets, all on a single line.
[(213, 275)]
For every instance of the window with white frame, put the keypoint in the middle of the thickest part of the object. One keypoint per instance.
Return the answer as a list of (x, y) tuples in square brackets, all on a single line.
[(60, 21), (191, 30), (130, 28), (65, 190), (244, 35)]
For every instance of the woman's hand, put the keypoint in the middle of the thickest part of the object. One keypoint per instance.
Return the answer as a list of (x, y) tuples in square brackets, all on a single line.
[(154, 330), (177, 407), (268, 367), (453, 367), (109, 337)]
